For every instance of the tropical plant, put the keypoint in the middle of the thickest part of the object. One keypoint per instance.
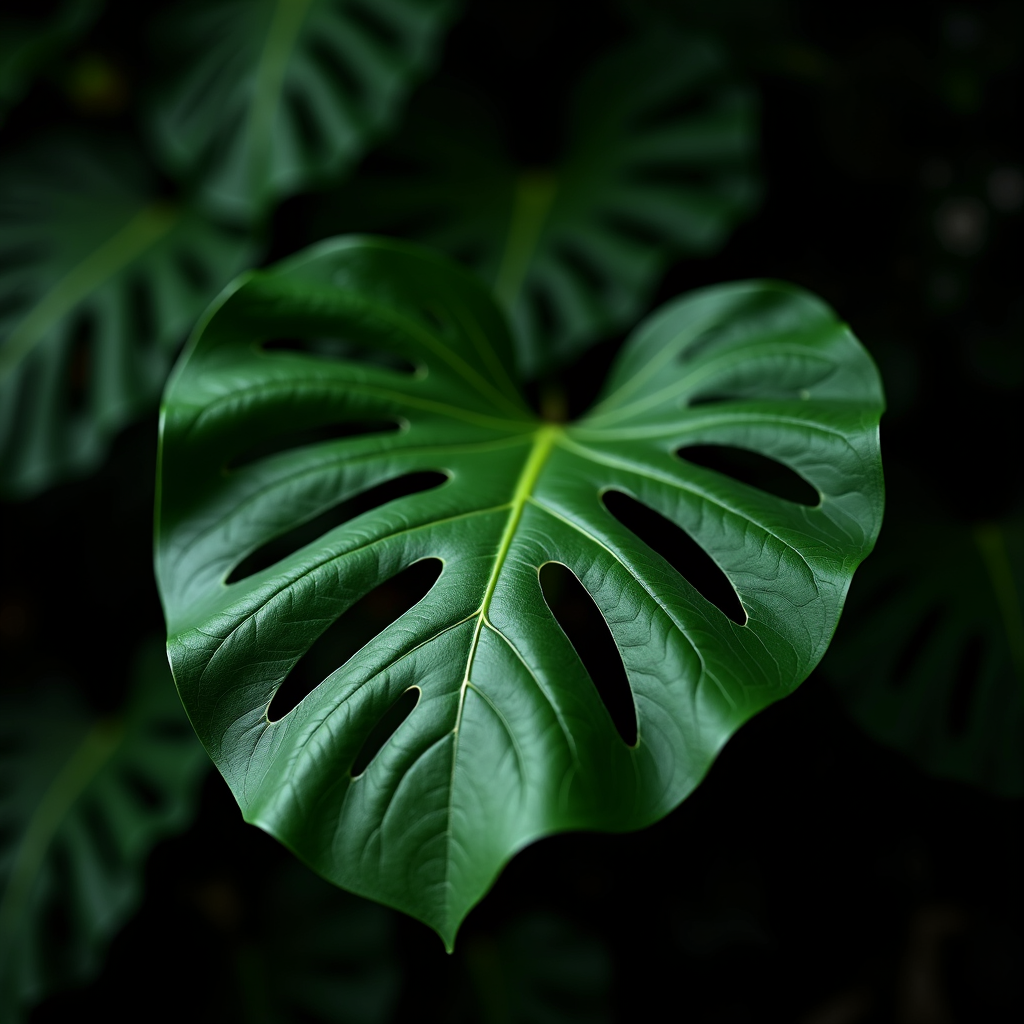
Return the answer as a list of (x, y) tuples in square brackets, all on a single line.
[(311, 390)]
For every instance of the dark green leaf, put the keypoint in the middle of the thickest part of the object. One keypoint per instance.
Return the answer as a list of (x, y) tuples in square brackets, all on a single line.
[(657, 163), (942, 677), (82, 802), (509, 740), (99, 281), (269, 96)]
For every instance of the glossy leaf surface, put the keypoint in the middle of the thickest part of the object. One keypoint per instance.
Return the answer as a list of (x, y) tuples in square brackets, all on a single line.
[(82, 802), (657, 162), (943, 676), (509, 739), (99, 281), (269, 96)]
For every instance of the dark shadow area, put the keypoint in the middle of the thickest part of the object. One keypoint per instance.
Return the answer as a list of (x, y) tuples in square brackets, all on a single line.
[(384, 730), (679, 549), (352, 631), (288, 543), (754, 469), (582, 622)]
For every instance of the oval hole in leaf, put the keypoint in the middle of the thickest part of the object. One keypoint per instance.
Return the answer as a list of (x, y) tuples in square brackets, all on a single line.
[(582, 266), (385, 729), (347, 351), (308, 130), (753, 469), (374, 25), (634, 229), (965, 684), (80, 363), (145, 793), (353, 630), (312, 435), (98, 827), (915, 645), (679, 549), (582, 622), (298, 537), (192, 270)]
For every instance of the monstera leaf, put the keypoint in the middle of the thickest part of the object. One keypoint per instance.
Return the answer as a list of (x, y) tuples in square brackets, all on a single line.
[(82, 801), (99, 281), (943, 676), (657, 162), (376, 369), (271, 95)]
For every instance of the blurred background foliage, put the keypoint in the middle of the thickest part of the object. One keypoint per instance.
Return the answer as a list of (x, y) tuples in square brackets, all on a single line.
[(854, 854)]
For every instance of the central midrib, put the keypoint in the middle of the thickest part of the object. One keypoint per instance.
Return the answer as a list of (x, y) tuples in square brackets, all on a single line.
[(546, 436)]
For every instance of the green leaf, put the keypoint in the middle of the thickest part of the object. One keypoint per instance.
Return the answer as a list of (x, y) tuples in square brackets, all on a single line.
[(100, 279), (943, 676), (28, 44), (270, 96), (657, 162), (509, 740), (82, 802)]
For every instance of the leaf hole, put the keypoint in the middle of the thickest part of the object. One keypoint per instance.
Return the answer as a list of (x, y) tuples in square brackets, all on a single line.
[(145, 793), (680, 550), (914, 647), (965, 685), (352, 631), (80, 363), (376, 27), (103, 841), (385, 729), (311, 435), (286, 544), (344, 351), (192, 269), (582, 622), (582, 266), (141, 312), (544, 311), (753, 469)]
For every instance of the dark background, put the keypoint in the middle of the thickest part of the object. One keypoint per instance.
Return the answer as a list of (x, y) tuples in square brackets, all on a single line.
[(816, 875)]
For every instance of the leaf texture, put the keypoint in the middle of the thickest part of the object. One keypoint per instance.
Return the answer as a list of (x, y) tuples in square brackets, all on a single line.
[(99, 281), (658, 162), (82, 802), (509, 739), (270, 96)]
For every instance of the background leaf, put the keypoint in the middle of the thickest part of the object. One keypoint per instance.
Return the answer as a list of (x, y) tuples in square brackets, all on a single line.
[(82, 801), (270, 96), (656, 162), (943, 676), (509, 739), (100, 278)]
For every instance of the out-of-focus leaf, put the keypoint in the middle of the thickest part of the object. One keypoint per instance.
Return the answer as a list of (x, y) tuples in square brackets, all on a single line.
[(82, 802), (509, 739), (657, 162), (269, 96), (930, 659), (321, 955), (100, 279), (541, 969), (26, 45)]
